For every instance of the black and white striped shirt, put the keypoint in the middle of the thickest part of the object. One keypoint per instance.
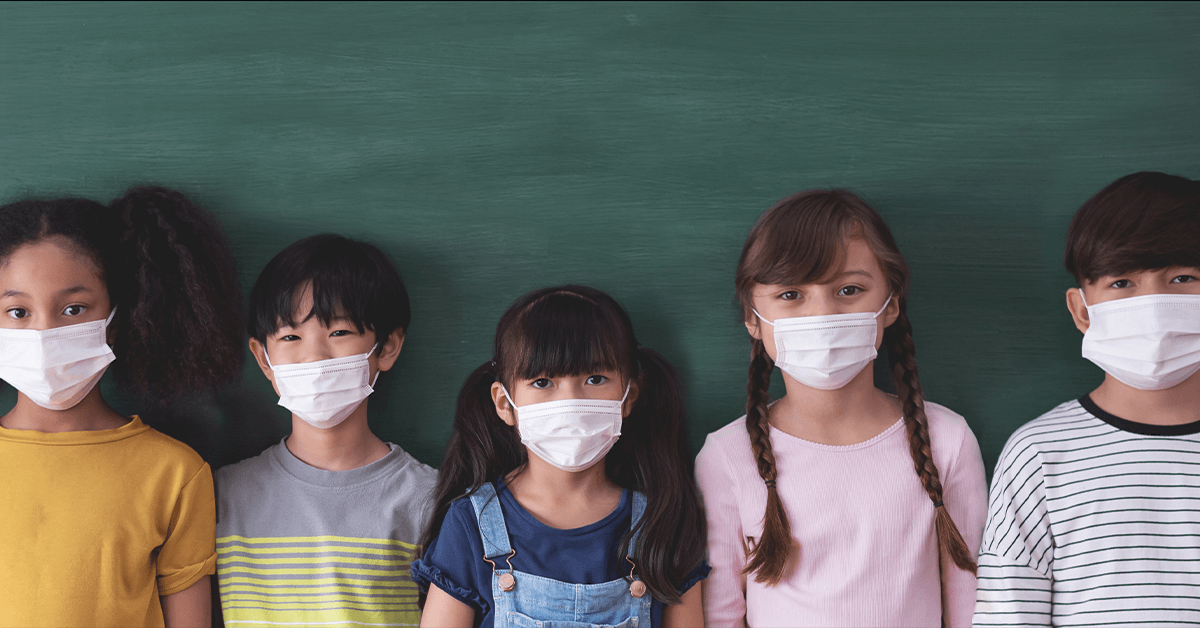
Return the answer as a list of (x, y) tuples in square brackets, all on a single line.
[(1093, 520)]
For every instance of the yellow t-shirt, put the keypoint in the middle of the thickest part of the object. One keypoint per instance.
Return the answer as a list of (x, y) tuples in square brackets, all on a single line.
[(96, 526)]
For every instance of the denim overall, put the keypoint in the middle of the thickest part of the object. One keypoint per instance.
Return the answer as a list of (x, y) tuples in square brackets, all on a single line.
[(523, 600)]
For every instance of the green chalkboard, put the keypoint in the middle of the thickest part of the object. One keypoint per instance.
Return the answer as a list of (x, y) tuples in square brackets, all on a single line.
[(496, 148)]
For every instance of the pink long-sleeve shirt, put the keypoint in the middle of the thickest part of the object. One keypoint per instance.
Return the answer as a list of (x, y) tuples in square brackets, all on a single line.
[(865, 527)]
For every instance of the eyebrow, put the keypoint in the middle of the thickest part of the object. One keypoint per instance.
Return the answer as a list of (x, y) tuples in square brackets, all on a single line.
[(855, 272), (66, 291)]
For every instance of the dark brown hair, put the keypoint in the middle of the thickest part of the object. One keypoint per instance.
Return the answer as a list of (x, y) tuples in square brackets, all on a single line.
[(574, 330), (802, 239), (1142, 221)]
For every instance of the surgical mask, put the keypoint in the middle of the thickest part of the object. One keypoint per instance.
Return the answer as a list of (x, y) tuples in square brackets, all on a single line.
[(570, 434), (1151, 342), (56, 368), (324, 393), (825, 352)]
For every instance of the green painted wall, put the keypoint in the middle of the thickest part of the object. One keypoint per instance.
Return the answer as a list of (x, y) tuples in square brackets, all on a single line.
[(496, 148)]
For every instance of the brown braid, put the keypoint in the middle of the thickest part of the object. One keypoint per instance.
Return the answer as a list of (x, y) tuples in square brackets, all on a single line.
[(770, 555), (902, 355)]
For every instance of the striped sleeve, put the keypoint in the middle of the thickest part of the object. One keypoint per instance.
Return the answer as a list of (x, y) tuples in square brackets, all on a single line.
[(1016, 557)]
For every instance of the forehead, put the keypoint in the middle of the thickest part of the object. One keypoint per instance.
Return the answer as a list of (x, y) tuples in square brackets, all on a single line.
[(49, 266)]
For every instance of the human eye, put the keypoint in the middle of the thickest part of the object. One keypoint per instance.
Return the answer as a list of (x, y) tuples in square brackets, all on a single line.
[(17, 313), (1120, 284), (1183, 279), (289, 338), (73, 310), (790, 295), (597, 380), (849, 291), (541, 383), (340, 332)]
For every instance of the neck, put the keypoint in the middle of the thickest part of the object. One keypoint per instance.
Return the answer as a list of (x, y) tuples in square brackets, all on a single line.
[(347, 445), (848, 415), (564, 499), (89, 415), (1174, 406)]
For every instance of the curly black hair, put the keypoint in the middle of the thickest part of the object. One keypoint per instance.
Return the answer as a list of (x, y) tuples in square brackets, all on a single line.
[(169, 273)]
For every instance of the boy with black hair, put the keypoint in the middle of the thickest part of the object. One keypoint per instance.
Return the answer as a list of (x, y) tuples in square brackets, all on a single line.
[(320, 529), (1094, 515)]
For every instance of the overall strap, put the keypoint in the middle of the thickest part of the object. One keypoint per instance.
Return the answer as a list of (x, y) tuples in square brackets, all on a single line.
[(639, 509), (491, 521)]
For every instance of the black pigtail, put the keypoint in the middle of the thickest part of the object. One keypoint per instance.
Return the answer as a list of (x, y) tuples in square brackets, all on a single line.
[(481, 447), (179, 323), (655, 459)]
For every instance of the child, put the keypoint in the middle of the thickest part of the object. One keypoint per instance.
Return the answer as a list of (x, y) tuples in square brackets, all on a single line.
[(564, 494), (320, 529), (1094, 505), (103, 520), (851, 536)]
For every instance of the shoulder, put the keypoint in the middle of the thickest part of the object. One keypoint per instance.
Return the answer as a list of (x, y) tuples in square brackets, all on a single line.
[(726, 446), (1032, 438), (410, 469), (165, 451), (1050, 427), (950, 437), (234, 475)]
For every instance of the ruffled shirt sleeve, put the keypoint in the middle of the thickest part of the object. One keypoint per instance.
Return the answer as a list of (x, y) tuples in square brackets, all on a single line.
[(452, 560)]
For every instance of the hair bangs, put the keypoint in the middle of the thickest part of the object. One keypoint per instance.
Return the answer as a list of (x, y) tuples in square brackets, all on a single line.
[(347, 280), (564, 333), (1143, 221)]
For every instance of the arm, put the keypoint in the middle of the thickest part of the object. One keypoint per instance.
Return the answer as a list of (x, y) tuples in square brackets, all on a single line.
[(965, 493), (443, 611), (1016, 559), (724, 594), (189, 608), (688, 613)]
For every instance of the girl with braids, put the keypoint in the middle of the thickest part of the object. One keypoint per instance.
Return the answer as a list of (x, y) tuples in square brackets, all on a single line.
[(816, 516), (105, 521), (564, 497)]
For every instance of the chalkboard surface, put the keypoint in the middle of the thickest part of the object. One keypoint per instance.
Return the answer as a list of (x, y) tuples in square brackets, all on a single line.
[(496, 148)]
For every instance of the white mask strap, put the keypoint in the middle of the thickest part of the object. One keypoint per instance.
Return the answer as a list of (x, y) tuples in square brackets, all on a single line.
[(1084, 299), (885, 304), (760, 316)]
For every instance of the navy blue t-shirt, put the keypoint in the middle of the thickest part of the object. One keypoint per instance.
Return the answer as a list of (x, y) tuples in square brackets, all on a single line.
[(588, 555)]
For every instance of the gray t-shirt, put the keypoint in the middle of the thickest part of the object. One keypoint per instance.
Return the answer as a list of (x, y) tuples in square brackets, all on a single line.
[(301, 545)]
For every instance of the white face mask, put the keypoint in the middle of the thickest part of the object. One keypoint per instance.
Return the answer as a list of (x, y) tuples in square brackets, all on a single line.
[(56, 368), (1151, 342), (571, 434), (825, 352), (324, 393)]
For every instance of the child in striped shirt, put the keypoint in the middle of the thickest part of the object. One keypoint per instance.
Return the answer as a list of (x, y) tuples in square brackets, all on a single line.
[(320, 528), (1094, 516)]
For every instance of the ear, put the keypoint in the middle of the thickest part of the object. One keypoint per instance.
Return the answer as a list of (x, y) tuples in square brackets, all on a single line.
[(389, 350), (260, 355), (891, 312), (1078, 310), (631, 398), (752, 325), (503, 407)]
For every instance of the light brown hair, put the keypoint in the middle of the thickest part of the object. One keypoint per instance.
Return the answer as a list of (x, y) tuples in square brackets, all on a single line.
[(802, 239)]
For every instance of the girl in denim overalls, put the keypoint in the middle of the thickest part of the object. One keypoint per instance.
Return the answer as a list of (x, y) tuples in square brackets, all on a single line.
[(564, 499)]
